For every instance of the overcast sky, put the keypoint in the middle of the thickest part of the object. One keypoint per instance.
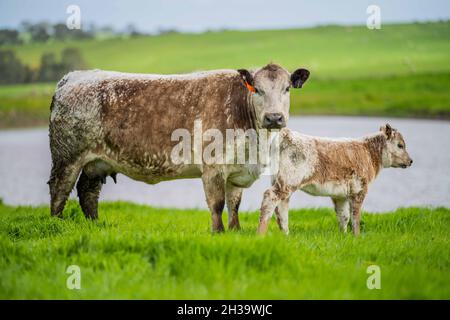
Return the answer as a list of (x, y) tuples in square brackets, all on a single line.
[(200, 15)]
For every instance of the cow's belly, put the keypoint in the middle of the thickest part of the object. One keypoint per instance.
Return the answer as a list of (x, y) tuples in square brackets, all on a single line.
[(243, 176), (97, 165), (102, 166)]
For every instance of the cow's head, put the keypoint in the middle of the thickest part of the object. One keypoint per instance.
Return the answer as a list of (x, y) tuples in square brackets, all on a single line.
[(270, 95), (394, 153)]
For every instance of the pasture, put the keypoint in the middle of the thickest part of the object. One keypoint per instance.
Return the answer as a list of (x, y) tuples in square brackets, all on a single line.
[(140, 252), (137, 251)]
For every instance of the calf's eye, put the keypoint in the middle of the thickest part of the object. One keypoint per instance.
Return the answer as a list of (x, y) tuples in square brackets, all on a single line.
[(287, 89), (400, 146)]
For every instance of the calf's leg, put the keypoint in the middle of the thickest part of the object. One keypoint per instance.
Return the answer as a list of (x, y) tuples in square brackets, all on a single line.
[(269, 203), (214, 186), (272, 198), (342, 208), (282, 214), (88, 192), (233, 197), (355, 205)]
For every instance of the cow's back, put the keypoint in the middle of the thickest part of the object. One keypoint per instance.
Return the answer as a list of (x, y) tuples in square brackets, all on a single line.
[(132, 116)]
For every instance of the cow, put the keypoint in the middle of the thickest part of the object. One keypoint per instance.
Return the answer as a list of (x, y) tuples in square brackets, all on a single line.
[(103, 123), (338, 168)]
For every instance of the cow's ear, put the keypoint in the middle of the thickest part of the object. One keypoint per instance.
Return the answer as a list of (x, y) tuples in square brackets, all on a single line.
[(299, 77), (246, 76), (387, 130)]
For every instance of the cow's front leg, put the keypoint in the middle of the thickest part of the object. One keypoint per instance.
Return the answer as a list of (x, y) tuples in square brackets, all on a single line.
[(214, 186), (233, 197)]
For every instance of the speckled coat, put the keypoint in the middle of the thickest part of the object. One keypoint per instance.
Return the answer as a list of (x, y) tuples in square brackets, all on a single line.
[(338, 168)]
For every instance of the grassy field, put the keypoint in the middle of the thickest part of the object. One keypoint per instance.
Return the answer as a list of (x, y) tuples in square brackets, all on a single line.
[(400, 70), (141, 252)]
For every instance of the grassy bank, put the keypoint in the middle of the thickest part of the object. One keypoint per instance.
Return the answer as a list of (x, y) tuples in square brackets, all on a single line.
[(400, 70), (141, 252), (396, 96), (25, 105)]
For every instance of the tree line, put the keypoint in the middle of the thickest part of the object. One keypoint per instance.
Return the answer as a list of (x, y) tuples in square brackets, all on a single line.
[(41, 32), (12, 70)]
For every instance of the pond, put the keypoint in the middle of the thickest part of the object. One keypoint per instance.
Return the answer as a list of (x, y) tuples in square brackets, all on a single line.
[(25, 166)]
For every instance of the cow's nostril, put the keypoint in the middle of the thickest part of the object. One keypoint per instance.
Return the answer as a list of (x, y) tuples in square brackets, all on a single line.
[(410, 162), (274, 120)]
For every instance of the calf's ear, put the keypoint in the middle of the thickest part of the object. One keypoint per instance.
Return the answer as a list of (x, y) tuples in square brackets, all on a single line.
[(387, 130), (246, 76), (299, 77)]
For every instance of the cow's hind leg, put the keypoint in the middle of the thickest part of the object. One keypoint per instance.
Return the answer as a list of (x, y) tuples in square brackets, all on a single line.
[(214, 186), (88, 192), (61, 183), (233, 197)]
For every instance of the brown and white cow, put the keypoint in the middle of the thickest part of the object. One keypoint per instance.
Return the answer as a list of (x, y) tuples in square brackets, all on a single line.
[(103, 123), (338, 168)]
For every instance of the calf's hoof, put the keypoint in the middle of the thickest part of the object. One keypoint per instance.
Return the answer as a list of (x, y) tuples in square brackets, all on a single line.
[(262, 228)]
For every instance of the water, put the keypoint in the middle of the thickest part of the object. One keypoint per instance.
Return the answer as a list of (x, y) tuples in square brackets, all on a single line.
[(25, 167)]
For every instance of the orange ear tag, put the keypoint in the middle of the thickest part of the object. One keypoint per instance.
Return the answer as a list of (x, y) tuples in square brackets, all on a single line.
[(250, 87)]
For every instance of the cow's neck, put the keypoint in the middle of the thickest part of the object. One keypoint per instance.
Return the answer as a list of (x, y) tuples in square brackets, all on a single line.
[(243, 113), (252, 114), (375, 145)]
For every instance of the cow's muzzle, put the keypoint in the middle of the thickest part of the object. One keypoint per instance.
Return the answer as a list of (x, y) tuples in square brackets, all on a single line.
[(274, 121)]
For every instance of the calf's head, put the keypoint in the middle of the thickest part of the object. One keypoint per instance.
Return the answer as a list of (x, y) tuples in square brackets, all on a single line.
[(270, 96), (394, 152)]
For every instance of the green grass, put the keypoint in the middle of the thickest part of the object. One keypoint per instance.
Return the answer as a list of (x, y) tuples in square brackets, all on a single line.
[(400, 70), (25, 105), (137, 251)]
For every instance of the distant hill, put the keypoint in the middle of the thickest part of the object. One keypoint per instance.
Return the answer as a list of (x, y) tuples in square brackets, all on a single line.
[(330, 52), (400, 70)]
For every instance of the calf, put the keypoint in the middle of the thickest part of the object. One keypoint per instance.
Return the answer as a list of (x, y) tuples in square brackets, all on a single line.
[(340, 169)]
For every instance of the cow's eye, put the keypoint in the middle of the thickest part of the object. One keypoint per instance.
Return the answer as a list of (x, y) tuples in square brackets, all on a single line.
[(400, 146), (287, 89)]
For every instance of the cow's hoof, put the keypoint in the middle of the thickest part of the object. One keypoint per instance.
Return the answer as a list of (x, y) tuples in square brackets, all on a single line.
[(219, 229), (234, 227)]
